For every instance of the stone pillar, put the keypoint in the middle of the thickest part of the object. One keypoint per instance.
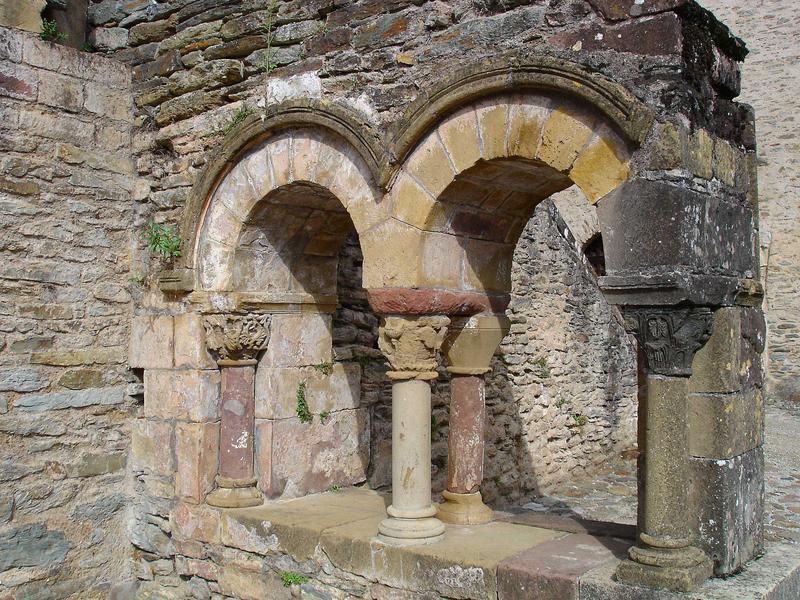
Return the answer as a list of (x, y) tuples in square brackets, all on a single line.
[(468, 349), (410, 345), (663, 556), (235, 341)]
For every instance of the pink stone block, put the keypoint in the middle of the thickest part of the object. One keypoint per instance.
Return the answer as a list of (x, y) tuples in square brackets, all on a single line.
[(197, 454), (151, 447), (190, 343), (186, 395), (305, 458), (298, 340), (151, 343), (197, 522)]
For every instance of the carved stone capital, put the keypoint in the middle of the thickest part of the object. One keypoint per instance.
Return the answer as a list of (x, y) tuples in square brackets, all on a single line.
[(669, 337), (410, 345), (236, 337)]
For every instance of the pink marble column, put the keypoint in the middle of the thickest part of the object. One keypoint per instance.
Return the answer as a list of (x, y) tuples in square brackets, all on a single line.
[(468, 350), (236, 340)]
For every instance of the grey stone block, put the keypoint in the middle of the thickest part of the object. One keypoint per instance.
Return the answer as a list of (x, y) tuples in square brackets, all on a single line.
[(70, 399), (726, 500), (32, 546)]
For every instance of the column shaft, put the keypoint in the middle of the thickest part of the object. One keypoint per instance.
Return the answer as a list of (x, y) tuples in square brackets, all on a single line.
[(465, 436), (237, 422)]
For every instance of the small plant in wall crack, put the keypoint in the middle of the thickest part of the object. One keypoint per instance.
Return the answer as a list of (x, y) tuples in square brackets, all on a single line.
[(580, 420), (50, 32), (237, 118), (326, 368), (267, 30), (301, 408), (324, 416), (163, 239), (290, 578), (335, 488)]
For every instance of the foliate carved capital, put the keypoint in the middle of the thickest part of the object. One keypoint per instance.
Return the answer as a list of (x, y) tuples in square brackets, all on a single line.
[(410, 345), (669, 337), (236, 337)]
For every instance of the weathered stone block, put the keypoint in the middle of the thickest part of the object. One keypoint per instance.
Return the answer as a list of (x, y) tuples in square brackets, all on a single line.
[(197, 455), (722, 426), (196, 522), (32, 546), (716, 366), (151, 345), (190, 395), (71, 399), (90, 465), (190, 343), (328, 388), (295, 459), (655, 224), (21, 379), (207, 75), (551, 570), (616, 10), (153, 31), (18, 82), (109, 38), (298, 340), (726, 502), (151, 447), (252, 584)]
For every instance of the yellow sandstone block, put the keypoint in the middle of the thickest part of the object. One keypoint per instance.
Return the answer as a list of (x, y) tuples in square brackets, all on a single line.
[(430, 166), (601, 167), (492, 118), (525, 123), (459, 134), (565, 134)]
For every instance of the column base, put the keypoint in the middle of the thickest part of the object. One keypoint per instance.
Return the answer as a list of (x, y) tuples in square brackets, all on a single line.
[(413, 528), (235, 494), (464, 509), (674, 569)]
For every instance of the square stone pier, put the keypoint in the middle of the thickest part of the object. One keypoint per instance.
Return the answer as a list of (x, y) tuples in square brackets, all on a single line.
[(330, 541)]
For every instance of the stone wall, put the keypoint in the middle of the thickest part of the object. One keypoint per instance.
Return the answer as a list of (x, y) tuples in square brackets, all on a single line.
[(66, 396), (769, 80)]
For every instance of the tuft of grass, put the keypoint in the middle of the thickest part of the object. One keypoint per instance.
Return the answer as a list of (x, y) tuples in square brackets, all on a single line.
[(267, 26), (335, 488), (541, 366), (237, 118), (323, 416), (136, 280), (50, 32), (561, 402), (435, 426), (580, 420), (301, 409), (163, 239), (290, 578), (326, 368)]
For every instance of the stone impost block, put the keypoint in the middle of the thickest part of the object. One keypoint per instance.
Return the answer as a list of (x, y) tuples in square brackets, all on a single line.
[(716, 366), (197, 455), (190, 343), (726, 503), (189, 395), (722, 426), (298, 340), (655, 225), (151, 447), (151, 343), (328, 388), (305, 458)]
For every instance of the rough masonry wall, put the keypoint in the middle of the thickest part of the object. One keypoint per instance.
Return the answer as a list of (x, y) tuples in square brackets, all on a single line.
[(65, 307), (769, 82)]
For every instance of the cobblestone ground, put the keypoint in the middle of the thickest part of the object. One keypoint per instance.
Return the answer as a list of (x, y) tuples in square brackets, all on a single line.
[(611, 494)]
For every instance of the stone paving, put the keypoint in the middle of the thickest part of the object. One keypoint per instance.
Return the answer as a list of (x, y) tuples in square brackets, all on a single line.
[(611, 494)]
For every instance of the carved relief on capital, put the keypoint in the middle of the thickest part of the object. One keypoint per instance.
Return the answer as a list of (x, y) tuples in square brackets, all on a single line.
[(236, 337), (410, 345), (669, 337)]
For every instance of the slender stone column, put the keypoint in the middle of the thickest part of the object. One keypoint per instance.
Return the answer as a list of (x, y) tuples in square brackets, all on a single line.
[(663, 556), (235, 341), (410, 345), (468, 350)]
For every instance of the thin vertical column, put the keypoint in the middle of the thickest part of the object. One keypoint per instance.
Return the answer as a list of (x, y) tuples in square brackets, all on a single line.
[(468, 350), (663, 556), (236, 340), (410, 345)]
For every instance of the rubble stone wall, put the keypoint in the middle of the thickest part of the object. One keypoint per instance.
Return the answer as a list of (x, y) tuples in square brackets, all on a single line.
[(771, 75), (66, 393)]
